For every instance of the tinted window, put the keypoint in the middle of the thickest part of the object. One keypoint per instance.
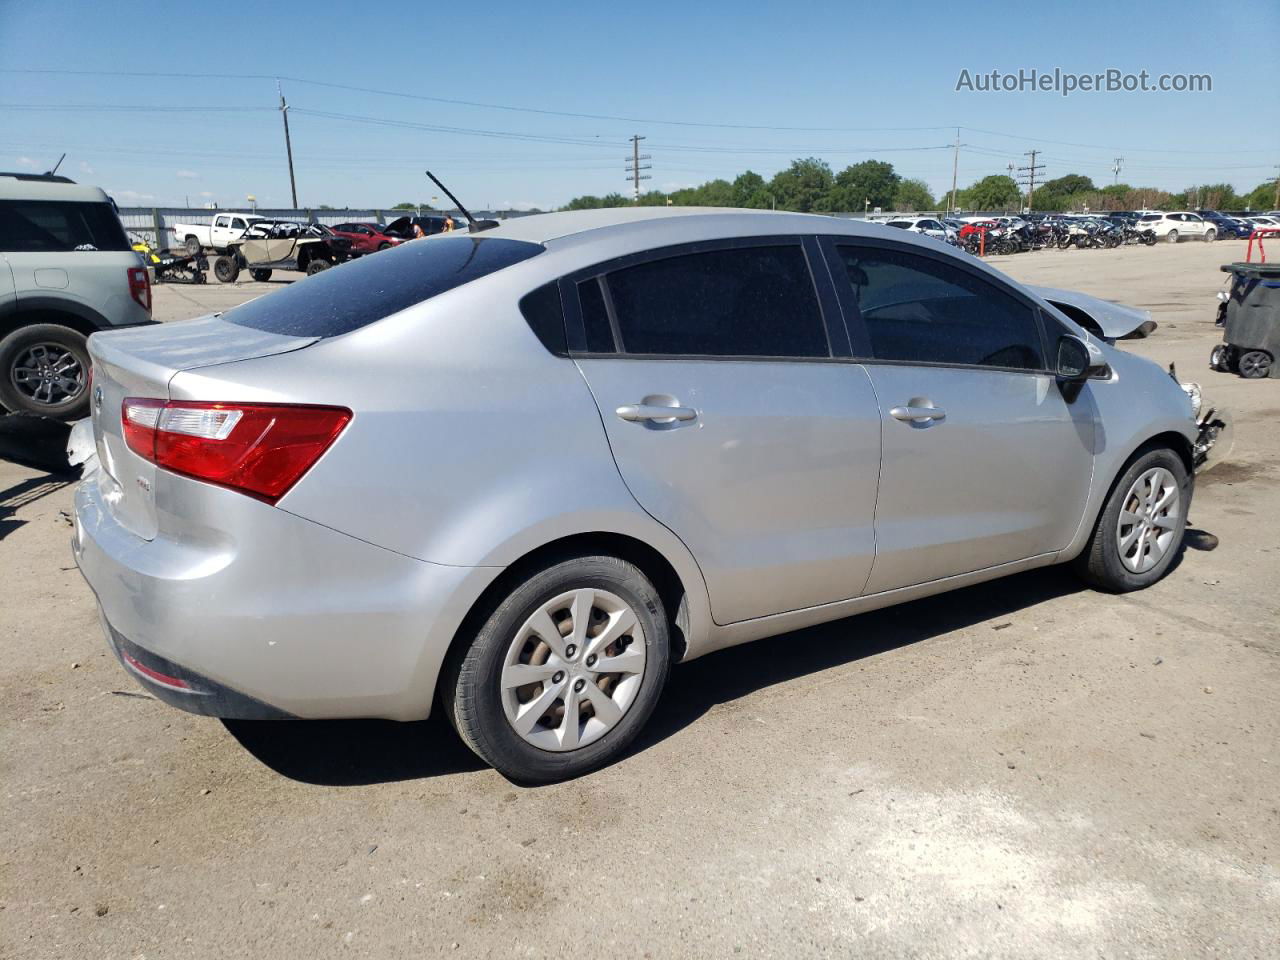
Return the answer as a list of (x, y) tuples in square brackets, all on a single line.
[(595, 317), (55, 226), (740, 302), (919, 310), (370, 288), (221, 221), (543, 313)]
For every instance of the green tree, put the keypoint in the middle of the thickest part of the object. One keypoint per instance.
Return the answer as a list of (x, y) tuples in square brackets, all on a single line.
[(802, 186), (1067, 185), (750, 190), (912, 196), (871, 183), (1211, 196), (614, 200), (585, 202), (996, 192), (1261, 197)]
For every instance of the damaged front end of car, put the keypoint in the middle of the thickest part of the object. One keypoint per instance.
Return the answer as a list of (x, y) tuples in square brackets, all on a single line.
[(1214, 435)]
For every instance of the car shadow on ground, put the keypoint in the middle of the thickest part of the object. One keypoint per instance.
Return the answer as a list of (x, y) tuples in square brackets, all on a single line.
[(42, 445)]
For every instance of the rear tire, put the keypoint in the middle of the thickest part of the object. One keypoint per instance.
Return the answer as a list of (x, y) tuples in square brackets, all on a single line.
[(1172, 236), (44, 370), (384, 245), (551, 728), (226, 269), (192, 245), (1210, 236), (262, 276), (317, 266), (1133, 551)]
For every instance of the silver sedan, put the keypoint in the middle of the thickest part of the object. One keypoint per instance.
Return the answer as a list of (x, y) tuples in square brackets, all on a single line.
[(521, 472)]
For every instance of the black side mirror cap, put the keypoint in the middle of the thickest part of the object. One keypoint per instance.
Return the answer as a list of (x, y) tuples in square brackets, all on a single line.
[(1075, 364)]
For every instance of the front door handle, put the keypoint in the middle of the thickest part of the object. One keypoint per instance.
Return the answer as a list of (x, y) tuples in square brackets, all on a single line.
[(915, 412), (641, 412)]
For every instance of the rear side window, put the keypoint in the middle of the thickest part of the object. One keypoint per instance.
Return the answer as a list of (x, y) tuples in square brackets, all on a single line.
[(755, 301), (919, 310), (545, 316), (361, 292), (56, 226)]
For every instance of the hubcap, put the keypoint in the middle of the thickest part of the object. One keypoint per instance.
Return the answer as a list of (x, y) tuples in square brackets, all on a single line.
[(1148, 520), (1255, 364), (573, 669), (47, 373)]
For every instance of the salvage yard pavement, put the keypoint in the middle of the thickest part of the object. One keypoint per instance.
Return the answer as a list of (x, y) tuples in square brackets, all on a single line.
[(1022, 768)]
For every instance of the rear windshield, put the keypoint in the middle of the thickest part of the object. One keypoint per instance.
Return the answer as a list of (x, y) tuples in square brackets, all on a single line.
[(59, 226), (356, 294)]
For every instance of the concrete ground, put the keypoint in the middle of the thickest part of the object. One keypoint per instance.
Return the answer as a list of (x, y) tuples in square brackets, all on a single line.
[(1019, 769)]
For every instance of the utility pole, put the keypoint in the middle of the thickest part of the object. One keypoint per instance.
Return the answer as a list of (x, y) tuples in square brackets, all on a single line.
[(288, 145), (955, 169), (1116, 166), (1277, 180), (1030, 176), (634, 167)]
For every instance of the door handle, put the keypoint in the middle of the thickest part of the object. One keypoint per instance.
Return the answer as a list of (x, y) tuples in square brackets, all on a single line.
[(641, 412), (914, 413)]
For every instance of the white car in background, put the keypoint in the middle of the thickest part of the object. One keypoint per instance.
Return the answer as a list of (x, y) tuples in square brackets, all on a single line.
[(929, 226), (1178, 225)]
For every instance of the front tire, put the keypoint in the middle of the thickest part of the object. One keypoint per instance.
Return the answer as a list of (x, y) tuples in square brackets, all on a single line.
[(317, 266), (1140, 529), (44, 370), (262, 276), (1172, 236), (226, 269), (1210, 236), (564, 672)]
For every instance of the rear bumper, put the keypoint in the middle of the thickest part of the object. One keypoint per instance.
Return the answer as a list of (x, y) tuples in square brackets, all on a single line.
[(269, 614)]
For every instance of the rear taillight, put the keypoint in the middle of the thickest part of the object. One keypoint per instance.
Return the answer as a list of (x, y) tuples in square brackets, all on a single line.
[(260, 449), (140, 287)]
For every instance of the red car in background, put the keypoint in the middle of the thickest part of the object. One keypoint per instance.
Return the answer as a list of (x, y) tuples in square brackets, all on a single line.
[(365, 237)]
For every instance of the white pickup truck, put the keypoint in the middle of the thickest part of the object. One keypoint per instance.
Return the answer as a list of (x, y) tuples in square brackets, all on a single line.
[(215, 236)]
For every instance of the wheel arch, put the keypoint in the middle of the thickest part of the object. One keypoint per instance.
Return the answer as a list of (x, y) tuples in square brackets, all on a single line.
[(675, 593), (26, 317)]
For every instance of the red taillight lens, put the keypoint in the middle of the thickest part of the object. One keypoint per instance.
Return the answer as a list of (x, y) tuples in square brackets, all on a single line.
[(261, 449), (140, 287)]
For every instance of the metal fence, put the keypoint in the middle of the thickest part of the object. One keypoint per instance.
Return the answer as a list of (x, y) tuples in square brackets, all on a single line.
[(155, 224)]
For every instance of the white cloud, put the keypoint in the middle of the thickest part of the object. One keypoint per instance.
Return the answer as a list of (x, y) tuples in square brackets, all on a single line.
[(130, 196), (187, 175), (26, 162), (206, 193), (85, 168)]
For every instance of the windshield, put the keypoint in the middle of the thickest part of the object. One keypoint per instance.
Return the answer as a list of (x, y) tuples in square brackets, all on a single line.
[(359, 293)]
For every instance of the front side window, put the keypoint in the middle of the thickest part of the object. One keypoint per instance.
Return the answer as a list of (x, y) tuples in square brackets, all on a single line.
[(238, 224), (222, 221), (920, 310), (750, 301), (57, 226)]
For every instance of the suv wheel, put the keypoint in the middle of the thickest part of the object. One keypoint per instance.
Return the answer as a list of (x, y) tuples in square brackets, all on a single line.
[(44, 369), (1210, 235), (1140, 528), (564, 672), (1172, 236)]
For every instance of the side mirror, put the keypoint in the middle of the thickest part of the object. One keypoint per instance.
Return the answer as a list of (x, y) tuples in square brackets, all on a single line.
[(1075, 365)]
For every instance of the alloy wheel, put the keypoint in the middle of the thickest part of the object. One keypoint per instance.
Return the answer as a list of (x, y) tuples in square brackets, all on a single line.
[(48, 373), (1148, 520), (573, 669), (1255, 364)]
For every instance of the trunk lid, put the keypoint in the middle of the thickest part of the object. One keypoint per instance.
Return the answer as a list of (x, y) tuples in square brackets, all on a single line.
[(140, 362)]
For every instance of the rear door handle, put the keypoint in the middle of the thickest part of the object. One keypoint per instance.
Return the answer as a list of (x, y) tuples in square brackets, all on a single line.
[(918, 414), (641, 412)]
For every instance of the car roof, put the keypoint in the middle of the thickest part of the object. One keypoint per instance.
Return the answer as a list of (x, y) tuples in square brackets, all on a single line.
[(679, 222), (23, 188)]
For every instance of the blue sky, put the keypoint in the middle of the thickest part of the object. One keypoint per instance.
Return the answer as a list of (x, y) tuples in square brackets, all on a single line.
[(695, 79)]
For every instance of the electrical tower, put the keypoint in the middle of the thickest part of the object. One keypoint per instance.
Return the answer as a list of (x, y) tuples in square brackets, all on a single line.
[(1028, 176), (634, 166), (1116, 166)]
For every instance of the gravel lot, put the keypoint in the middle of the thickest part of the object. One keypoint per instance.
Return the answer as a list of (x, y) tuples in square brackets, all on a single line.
[(1020, 769)]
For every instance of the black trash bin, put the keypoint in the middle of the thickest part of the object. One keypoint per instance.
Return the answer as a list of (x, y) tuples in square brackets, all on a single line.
[(1251, 322)]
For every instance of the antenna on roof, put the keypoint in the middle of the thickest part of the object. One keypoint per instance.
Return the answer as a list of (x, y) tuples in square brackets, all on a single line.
[(473, 225), (56, 166)]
